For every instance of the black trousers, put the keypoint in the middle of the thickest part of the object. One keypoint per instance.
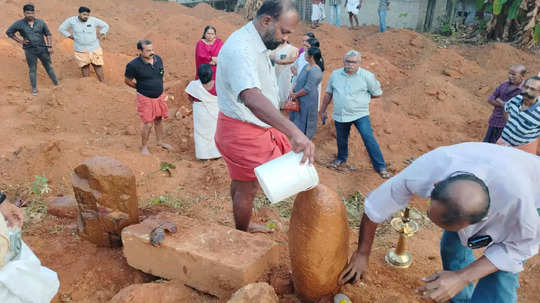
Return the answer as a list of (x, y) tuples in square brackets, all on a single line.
[(32, 55)]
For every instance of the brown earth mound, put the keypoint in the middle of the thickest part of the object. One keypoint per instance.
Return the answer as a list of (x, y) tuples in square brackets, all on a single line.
[(432, 96)]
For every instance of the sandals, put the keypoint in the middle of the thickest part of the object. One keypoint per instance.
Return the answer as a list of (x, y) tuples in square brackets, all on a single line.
[(341, 166), (384, 173)]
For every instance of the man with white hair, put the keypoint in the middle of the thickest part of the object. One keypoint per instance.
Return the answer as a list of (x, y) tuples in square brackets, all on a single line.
[(352, 88)]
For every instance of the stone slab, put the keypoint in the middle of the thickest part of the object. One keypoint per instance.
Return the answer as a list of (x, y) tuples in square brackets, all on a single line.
[(63, 207), (212, 258), (106, 195), (257, 292)]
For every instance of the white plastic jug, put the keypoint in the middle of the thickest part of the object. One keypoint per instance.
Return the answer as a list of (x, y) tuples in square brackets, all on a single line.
[(284, 177)]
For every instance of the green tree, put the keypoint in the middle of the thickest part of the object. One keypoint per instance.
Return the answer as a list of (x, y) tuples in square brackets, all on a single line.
[(516, 21)]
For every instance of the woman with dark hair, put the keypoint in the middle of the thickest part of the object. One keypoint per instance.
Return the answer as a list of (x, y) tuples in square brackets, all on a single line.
[(307, 93), (203, 94), (207, 50)]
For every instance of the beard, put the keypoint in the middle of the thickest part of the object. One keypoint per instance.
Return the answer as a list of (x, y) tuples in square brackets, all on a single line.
[(268, 39)]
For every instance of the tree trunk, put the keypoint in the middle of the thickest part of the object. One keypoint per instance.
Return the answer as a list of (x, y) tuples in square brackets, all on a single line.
[(519, 30), (250, 8)]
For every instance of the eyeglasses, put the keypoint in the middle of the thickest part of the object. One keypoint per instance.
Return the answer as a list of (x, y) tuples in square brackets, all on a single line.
[(350, 62)]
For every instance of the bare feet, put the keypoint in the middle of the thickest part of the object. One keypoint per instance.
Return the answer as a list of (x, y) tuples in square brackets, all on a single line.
[(145, 151), (165, 146), (258, 228)]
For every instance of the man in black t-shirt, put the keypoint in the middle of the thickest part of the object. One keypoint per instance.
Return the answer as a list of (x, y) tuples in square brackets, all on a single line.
[(36, 42), (145, 74)]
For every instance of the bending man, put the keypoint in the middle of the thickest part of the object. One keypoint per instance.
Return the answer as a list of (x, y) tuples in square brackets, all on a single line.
[(478, 191)]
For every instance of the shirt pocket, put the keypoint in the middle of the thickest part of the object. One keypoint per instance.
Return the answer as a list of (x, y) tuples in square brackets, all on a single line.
[(355, 89)]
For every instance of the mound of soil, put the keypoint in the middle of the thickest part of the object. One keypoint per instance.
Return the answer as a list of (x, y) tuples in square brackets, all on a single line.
[(433, 96)]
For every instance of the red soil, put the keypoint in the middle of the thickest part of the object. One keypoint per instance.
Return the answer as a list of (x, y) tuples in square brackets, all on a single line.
[(51, 134)]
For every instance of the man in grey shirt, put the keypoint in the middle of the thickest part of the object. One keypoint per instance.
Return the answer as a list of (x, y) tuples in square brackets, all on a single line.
[(352, 88), (36, 42), (86, 43)]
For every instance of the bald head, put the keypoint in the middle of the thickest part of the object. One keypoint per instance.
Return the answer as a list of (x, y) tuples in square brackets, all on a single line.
[(459, 200), (275, 8), (517, 73)]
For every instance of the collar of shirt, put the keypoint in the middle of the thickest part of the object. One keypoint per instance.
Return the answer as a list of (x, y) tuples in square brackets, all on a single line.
[(259, 44), (344, 73), (148, 63)]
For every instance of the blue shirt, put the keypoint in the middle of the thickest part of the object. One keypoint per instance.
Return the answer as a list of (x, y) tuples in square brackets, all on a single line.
[(352, 94), (84, 33)]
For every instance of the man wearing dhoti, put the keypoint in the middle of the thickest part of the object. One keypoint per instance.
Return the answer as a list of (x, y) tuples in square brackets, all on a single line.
[(250, 129)]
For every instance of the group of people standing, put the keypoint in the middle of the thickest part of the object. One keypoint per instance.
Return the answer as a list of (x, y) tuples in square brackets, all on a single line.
[(353, 9), (515, 120), (299, 76), (36, 41)]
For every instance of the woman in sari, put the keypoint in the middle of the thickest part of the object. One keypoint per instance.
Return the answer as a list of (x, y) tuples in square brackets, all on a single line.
[(307, 93), (202, 93), (207, 50)]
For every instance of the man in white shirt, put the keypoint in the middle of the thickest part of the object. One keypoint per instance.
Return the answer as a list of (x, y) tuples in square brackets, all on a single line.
[(250, 129), (86, 43), (477, 191)]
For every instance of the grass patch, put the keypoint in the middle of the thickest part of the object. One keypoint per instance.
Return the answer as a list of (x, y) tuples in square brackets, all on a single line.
[(354, 204), (176, 200), (32, 196), (284, 207)]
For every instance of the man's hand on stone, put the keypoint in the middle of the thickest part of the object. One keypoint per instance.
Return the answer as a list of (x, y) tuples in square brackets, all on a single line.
[(12, 213), (301, 143), (442, 285), (355, 270)]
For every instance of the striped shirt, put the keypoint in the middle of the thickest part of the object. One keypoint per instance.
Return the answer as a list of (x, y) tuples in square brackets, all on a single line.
[(523, 126)]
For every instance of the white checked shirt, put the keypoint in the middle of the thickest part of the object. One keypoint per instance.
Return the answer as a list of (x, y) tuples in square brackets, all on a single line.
[(513, 179), (244, 63)]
